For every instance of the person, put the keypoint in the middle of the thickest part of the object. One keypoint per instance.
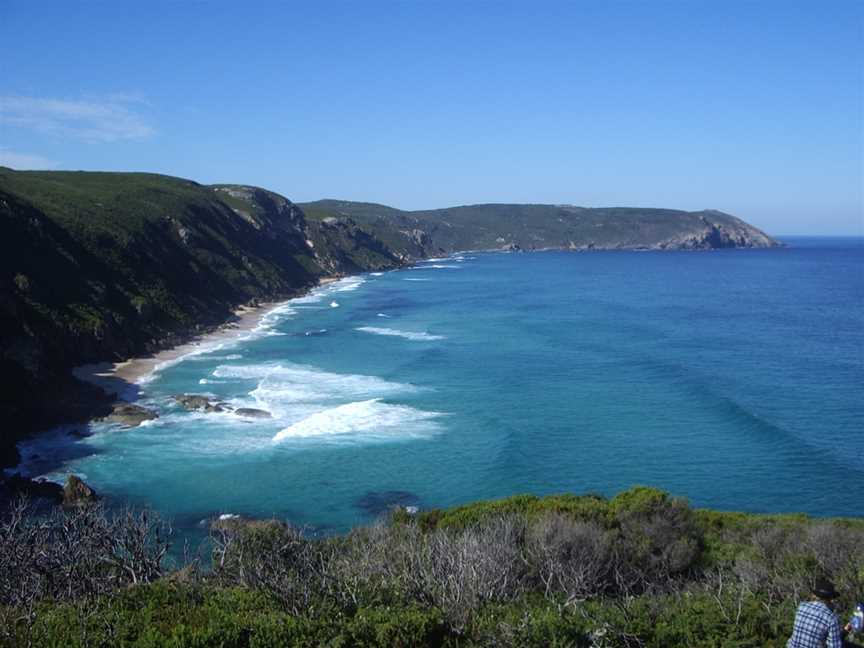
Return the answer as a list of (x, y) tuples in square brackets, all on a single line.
[(816, 624)]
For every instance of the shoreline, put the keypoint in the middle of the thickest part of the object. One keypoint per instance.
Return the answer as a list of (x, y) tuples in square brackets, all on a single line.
[(123, 379)]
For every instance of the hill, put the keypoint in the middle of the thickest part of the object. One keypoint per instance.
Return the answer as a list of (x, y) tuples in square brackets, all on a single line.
[(104, 266), (537, 227)]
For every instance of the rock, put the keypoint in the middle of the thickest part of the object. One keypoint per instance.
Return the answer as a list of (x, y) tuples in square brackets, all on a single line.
[(199, 403), (129, 415), (77, 493), (251, 412), (16, 484)]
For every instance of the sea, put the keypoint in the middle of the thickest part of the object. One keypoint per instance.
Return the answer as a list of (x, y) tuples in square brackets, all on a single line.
[(733, 378)]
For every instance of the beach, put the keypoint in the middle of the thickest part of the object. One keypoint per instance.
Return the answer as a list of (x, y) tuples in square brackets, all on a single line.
[(121, 377)]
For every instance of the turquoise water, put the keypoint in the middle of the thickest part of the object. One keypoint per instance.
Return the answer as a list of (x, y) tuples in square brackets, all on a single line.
[(733, 378)]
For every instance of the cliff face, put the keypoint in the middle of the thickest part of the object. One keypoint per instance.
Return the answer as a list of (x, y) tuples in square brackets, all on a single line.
[(103, 266)]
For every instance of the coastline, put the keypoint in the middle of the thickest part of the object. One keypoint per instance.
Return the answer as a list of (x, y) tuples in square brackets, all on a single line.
[(122, 379)]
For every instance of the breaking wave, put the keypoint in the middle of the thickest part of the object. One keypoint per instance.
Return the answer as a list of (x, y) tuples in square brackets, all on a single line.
[(366, 420), (408, 335)]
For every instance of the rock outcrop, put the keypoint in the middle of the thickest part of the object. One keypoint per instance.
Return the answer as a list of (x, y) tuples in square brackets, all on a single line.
[(199, 403), (130, 415), (77, 493)]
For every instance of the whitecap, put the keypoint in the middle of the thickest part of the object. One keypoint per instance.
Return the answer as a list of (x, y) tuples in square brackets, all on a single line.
[(414, 279), (281, 387), (208, 358), (363, 420), (383, 315), (377, 274), (334, 304), (347, 285), (408, 335)]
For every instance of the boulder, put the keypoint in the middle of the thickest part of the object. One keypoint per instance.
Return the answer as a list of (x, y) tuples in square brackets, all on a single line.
[(199, 403), (251, 412), (77, 493), (130, 415)]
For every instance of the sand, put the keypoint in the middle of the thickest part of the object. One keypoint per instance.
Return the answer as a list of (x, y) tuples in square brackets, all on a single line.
[(121, 377)]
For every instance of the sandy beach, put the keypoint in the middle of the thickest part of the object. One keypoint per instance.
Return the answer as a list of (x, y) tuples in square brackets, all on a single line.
[(121, 377)]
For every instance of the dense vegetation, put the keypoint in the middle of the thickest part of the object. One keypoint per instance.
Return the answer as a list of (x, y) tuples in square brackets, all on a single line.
[(640, 569)]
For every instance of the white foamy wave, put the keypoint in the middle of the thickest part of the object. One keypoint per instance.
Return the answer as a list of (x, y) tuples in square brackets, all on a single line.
[(415, 279), (208, 358), (210, 381), (444, 265), (334, 304), (408, 335), (347, 285), (272, 317), (282, 387), (366, 420), (383, 315), (377, 274)]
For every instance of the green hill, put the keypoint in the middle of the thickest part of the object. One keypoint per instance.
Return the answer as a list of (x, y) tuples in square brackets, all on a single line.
[(536, 227)]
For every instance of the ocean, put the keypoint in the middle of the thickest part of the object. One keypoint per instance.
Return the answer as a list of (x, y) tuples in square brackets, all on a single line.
[(733, 378)]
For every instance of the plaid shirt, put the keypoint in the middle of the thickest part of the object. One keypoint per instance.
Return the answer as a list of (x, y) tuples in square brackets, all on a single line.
[(816, 626)]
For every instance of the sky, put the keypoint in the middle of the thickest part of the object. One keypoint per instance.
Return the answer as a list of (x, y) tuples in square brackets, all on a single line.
[(753, 108)]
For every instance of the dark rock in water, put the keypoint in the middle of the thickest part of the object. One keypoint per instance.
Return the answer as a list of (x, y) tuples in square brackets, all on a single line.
[(18, 485), (375, 503), (77, 493), (128, 415), (199, 403), (251, 412)]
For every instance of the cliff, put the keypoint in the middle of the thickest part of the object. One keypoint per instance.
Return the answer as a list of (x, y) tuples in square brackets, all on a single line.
[(103, 266)]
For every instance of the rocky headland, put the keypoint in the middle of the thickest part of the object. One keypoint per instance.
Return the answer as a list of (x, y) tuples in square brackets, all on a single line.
[(101, 267)]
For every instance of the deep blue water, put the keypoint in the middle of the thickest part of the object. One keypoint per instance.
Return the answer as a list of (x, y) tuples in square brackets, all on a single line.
[(733, 378)]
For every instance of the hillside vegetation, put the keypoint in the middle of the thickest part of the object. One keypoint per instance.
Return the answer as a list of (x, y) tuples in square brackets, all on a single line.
[(535, 227), (104, 266), (641, 569)]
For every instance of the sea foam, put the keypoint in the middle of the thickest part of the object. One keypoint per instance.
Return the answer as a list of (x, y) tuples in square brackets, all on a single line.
[(282, 387), (366, 420), (419, 336)]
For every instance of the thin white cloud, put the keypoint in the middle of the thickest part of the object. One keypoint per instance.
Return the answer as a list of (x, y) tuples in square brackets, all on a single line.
[(109, 119), (22, 161)]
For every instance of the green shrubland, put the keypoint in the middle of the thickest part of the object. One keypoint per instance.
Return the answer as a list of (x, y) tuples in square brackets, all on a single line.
[(639, 569)]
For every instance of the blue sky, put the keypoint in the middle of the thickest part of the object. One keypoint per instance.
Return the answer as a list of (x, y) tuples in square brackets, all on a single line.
[(754, 108)]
